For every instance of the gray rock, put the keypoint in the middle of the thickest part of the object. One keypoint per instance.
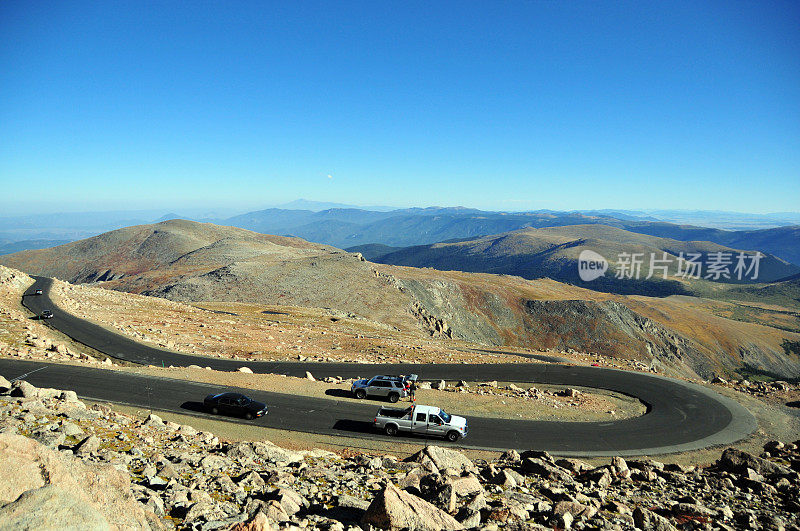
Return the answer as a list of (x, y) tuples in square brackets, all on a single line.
[(576, 466), (23, 389), (539, 467), (154, 420), (469, 518), (351, 502), (476, 502), (735, 460), (438, 491), (601, 476), (511, 456), (259, 522), (241, 451), (51, 507), (78, 413), (443, 458), (251, 480), (49, 438), (646, 519), (693, 509), (157, 483), (155, 504), (395, 509), (573, 508), (24, 465), (289, 501), (271, 452), (69, 396), (204, 511), (507, 478), (87, 446), (70, 430), (538, 454), (215, 462), (168, 471), (469, 484)]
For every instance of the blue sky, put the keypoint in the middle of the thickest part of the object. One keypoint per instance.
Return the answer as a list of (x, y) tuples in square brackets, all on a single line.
[(497, 105)]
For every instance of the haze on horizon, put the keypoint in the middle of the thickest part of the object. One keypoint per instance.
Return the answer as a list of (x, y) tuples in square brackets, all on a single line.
[(512, 107)]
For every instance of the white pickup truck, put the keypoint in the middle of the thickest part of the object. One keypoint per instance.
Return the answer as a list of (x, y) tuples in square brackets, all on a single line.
[(425, 420)]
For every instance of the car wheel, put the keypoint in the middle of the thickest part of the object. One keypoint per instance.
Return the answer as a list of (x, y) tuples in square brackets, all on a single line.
[(391, 430), (248, 416), (361, 394), (452, 436), (394, 397), (215, 411)]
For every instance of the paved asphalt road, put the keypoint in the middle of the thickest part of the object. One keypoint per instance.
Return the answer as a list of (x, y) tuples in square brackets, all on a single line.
[(681, 416)]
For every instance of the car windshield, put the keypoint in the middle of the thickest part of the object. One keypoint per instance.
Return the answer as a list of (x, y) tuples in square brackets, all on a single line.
[(445, 416)]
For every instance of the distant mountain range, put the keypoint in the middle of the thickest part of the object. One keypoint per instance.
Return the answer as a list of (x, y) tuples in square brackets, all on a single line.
[(347, 227), (553, 253)]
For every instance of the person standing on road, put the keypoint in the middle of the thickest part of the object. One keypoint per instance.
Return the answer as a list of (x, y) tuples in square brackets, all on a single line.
[(412, 389)]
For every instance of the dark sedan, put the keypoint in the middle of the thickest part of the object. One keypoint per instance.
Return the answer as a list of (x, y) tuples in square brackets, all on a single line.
[(47, 314), (234, 404)]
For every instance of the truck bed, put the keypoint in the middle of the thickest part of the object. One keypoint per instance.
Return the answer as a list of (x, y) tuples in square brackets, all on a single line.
[(393, 412)]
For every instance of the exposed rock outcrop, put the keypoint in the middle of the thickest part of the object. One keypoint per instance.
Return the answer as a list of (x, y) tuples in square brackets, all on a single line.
[(46, 486), (396, 509)]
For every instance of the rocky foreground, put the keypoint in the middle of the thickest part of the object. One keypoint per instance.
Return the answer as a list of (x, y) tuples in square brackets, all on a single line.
[(66, 465)]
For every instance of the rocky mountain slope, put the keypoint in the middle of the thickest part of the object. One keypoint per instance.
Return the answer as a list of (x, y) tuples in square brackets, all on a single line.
[(66, 464), (190, 262), (554, 252), (674, 334)]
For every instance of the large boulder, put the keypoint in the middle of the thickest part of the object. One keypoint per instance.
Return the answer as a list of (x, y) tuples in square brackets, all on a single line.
[(241, 451), (26, 465), (21, 388), (51, 507), (466, 485), (540, 467), (251, 480), (738, 461), (291, 502), (444, 458), (646, 519), (215, 462), (395, 509), (5, 385), (438, 491), (271, 452)]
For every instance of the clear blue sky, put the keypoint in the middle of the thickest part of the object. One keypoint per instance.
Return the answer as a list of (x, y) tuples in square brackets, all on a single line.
[(497, 105)]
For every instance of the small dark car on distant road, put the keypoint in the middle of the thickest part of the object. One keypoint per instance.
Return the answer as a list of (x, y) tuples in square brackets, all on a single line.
[(47, 314), (37, 292), (234, 404)]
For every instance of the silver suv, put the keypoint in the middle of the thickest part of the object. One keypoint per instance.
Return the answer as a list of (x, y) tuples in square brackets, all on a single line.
[(391, 387)]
